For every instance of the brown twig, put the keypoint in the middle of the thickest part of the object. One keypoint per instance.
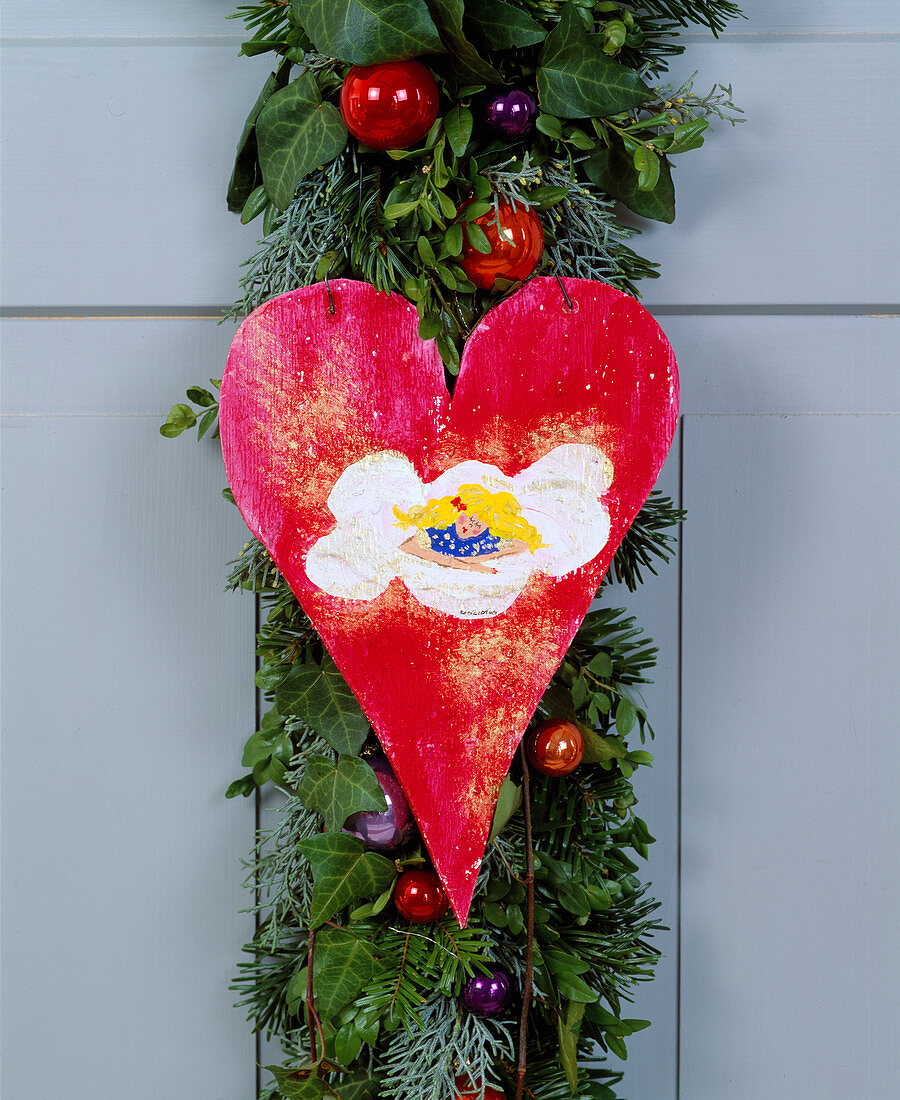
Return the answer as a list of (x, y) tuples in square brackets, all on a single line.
[(312, 1015), (529, 935)]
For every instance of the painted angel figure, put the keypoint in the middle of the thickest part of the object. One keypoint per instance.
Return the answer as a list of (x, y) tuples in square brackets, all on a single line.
[(469, 529), (467, 542)]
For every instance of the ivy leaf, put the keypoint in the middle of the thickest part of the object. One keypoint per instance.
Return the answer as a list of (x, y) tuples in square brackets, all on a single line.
[(556, 702), (364, 32), (342, 872), (295, 133), (468, 62), (357, 1086), (338, 790), (245, 175), (303, 1082), (319, 695), (458, 128), (613, 170), (495, 25), (576, 79), (342, 964)]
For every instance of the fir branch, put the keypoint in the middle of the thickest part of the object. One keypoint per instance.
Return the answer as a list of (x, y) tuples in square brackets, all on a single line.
[(713, 14), (423, 1064), (647, 540)]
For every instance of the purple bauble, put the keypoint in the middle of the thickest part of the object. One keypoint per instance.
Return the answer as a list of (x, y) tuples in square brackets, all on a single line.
[(511, 113), (488, 994), (383, 830)]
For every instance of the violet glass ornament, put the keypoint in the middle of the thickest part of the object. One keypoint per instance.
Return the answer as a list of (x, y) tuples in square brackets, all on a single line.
[(511, 113), (488, 994), (389, 829)]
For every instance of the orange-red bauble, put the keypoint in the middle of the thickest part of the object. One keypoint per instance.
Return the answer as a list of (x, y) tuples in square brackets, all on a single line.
[(420, 897), (391, 105), (516, 237), (556, 747), (465, 1090)]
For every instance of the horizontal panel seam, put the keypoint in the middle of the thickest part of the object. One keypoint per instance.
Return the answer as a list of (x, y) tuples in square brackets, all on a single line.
[(787, 415), (81, 416), (686, 37), (878, 311)]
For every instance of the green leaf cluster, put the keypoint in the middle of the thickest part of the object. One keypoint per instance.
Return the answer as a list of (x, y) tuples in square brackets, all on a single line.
[(205, 416), (587, 62)]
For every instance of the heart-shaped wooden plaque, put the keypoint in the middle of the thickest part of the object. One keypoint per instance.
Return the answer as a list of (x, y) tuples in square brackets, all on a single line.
[(447, 550)]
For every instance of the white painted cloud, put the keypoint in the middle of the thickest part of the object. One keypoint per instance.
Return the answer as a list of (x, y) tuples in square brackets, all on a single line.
[(559, 494)]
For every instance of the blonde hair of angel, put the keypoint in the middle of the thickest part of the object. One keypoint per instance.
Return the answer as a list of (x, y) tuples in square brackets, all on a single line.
[(500, 511)]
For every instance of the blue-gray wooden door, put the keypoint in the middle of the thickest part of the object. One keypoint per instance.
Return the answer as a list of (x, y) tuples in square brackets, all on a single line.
[(128, 671)]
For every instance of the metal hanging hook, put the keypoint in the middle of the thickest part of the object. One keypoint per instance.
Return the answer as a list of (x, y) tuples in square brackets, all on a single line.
[(328, 285), (563, 289)]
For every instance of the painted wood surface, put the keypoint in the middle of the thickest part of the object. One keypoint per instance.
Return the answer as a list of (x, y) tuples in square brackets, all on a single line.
[(743, 227), (566, 412)]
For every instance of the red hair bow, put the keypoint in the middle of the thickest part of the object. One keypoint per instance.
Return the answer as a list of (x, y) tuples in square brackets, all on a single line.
[(458, 504)]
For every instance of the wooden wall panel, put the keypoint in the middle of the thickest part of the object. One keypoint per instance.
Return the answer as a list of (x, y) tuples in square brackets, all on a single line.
[(791, 606), (650, 1070), (768, 212), (142, 221), (125, 703), (785, 364), (119, 200)]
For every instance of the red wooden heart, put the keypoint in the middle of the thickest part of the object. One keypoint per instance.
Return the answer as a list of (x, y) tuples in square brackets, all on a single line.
[(571, 411)]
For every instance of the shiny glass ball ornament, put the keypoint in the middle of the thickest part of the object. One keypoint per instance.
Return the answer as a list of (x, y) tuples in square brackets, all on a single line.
[(510, 113), (389, 829), (390, 105), (419, 896), (466, 1090), (556, 747), (488, 994), (516, 237)]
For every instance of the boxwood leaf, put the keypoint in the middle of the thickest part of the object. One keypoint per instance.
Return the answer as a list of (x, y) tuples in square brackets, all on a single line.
[(576, 79), (363, 32), (338, 790), (295, 133), (567, 1029), (458, 128), (342, 871)]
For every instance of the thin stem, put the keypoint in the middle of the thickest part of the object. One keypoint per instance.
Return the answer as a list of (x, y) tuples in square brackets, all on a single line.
[(312, 1015), (529, 935)]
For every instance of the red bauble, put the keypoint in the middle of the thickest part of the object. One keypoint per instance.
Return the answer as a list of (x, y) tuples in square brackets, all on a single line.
[(420, 897), (556, 747), (516, 238), (465, 1090), (391, 105)]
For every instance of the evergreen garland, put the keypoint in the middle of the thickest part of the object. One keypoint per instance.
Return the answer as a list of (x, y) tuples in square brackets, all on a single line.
[(364, 1004)]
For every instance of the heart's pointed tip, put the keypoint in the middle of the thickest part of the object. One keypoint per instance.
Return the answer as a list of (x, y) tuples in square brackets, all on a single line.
[(460, 903)]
